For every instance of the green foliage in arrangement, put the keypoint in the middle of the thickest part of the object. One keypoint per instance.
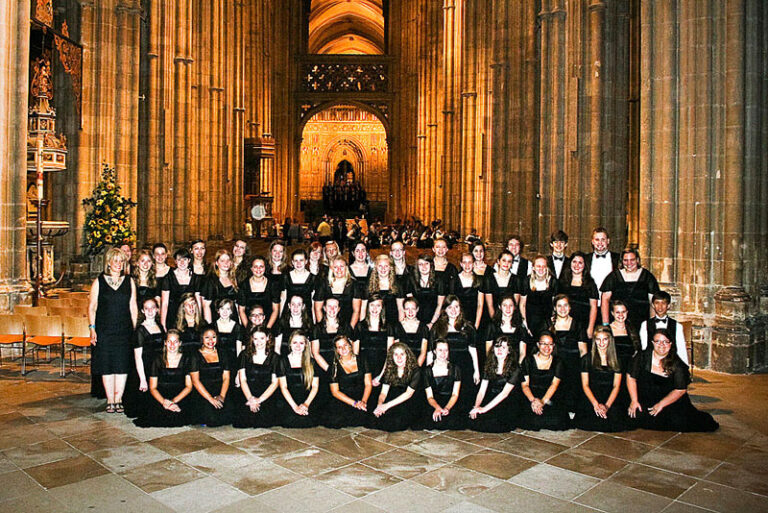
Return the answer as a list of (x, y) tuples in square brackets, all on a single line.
[(107, 220)]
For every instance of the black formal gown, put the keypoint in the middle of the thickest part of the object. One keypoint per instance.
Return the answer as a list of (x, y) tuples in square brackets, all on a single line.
[(267, 299), (259, 378), (447, 275), (361, 282), (681, 415), (374, 345), (294, 377), (143, 293), (390, 297), (504, 416), (295, 288), (635, 294), (442, 390), (412, 340), (285, 330), (227, 340), (170, 382), (579, 297), (427, 296), (175, 291), (403, 415), (190, 340), (214, 291), (114, 329), (498, 291), (211, 377), (516, 335), (459, 344), (555, 416), (538, 306), (567, 344), (625, 350), (338, 414), (468, 296), (601, 384), (345, 298), (151, 344)]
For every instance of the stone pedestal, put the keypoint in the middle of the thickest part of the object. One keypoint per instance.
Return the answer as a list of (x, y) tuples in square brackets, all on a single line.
[(733, 347)]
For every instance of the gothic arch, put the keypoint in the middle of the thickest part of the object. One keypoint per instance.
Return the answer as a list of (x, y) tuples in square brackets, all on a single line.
[(378, 110)]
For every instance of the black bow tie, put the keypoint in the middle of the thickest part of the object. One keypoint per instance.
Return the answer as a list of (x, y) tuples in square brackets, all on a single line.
[(601, 256), (659, 319), (516, 259), (559, 259)]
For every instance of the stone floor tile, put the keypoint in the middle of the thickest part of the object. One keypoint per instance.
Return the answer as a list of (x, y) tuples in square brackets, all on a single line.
[(313, 436), (40, 453), (711, 445), (467, 507), (616, 498), (477, 438), (76, 426), (311, 461), (652, 480), (529, 447), (120, 459), (616, 447), (199, 496), (21, 436), (6, 465), (67, 471), (184, 442), (647, 436), (680, 507), (443, 448), (569, 437), (270, 445), (259, 476), (750, 480), (93, 441), (37, 501), (511, 498), (723, 498), (147, 434), (676, 461), (218, 459), (410, 497), (17, 484), (306, 496), (554, 481), (398, 438), (106, 494), (458, 481), (495, 463), (160, 475), (229, 434), (358, 480), (357, 506), (355, 446), (403, 464), (249, 505), (587, 462)]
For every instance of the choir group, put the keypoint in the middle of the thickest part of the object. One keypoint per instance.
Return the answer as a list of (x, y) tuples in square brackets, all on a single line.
[(558, 342)]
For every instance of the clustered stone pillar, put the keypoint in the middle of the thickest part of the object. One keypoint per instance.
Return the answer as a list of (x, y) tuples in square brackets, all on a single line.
[(14, 93)]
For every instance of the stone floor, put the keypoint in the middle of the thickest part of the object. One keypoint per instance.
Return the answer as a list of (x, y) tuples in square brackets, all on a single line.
[(60, 452)]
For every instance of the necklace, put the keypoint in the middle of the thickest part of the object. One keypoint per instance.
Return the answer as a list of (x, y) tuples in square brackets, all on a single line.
[(112, 281)]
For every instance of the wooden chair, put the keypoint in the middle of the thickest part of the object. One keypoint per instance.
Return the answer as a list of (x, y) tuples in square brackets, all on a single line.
[(80, 303), (63, 311), (11, 332), (42, 332), (30, 310), (77, 335)]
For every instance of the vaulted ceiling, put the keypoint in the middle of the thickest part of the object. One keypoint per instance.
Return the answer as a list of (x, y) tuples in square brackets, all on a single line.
[(346, 27)]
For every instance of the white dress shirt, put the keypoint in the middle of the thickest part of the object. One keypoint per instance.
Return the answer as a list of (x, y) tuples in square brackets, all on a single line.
[(661, 323), (600, 268)]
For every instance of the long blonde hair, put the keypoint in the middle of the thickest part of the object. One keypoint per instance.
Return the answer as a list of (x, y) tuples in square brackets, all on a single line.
[(232, 275), (307, 369), (610, 352), (181, 318), (373, 282)]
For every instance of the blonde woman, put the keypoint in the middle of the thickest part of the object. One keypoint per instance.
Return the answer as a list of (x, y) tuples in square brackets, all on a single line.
[(112, 315), (339, 285), (384, 282), (299, 380), (536, 295), (221, 284)]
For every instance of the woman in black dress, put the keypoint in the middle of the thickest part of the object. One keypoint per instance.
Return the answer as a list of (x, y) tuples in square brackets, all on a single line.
[(325, 332), (602, 405), (144, 275), (507, 322), (402, 269), (462, 340), (295, 317), (199, 266), (571, 343), (360, 269), (340, 285), (625, 335), (542, 372), (350, 385), (170, 386), (536, 295), (257, 372), (578, 285), (298, 281), (210, 369), (148, 342), (468, 288), (447, 407), (260, 290), (385, 284), (497, 402), (373, 337), (189, 322), (658, 389), (444, 270), (220, 284), (397, 409), (428, 289), (478, 255), (176, 283), (500, 283), (255, 320), (632, 284), (413, 332), (160, 256), (299, 383), (228, 331), (112, 313), (315, 264), (277, 262)]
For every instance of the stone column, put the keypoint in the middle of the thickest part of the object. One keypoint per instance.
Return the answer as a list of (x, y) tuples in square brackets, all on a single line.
[(14, 91)]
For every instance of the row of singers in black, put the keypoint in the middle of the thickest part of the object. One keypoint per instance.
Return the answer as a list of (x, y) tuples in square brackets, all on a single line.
[(340, 381)]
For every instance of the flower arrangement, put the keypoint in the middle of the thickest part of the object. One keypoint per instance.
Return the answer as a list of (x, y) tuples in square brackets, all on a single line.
[(107, 222)]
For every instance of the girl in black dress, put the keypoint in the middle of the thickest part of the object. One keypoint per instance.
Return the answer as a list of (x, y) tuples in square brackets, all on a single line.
[(402, 269), (350, 387), (298, 281), (315, 264), (542, 372), (189, 322), (299, 382), (478, 255), (571, 343), (396, 409), (373, 337), (497, 402), (340, 285), (447, 406), (632, 284), (144, 275), (385, 284), (260, 290), (240, 261), (220, 284), (658, 383), (360, 269), (578, 285), (257, 373), (210, 369), (277, 262), (444, 270), (468, 288), (160, 256), (500, 283), (255, 320), (112, 313), (325, 332), (413, 332), (228, 331), (462, 339), (625, 335), (295, 317), (536, 295), (199, 266), (170, 386), (176, 283), (148, 342), (602, 405), (508, 323), (428, 289)]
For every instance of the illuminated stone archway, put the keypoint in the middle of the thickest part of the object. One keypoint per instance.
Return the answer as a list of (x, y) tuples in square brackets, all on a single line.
[(342, 27)]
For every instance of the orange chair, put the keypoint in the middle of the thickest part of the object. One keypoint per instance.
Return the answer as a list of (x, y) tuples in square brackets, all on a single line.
[(42, 332), (77, 335), (63, 311), (11, 332), (30, 310)]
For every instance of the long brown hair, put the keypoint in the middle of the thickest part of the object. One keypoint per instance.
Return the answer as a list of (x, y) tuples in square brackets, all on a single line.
[(232, 273), (250, 348), (181, 319), (151, 280), (441, 326), (668, 363), (390, 372), (336, 360), (492, 363), (610, 352)]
